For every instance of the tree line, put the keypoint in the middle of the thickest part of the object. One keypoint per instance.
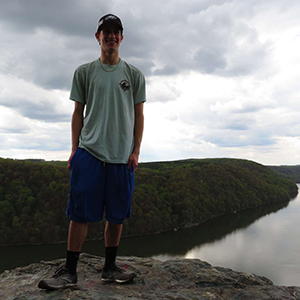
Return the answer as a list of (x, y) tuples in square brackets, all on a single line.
[(168, 195), (288, 172)]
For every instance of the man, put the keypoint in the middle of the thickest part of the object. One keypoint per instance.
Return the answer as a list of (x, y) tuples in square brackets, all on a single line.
[(105, 150)]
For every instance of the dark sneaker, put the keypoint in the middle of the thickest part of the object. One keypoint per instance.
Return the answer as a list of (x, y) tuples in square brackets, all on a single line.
[(116, 274), (62, 278)]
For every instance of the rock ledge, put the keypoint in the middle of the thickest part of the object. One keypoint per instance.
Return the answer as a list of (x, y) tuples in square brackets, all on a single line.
[(180, 279)]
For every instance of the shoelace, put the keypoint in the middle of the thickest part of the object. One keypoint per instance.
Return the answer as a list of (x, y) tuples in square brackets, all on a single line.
[(117, 269), (60, 271)]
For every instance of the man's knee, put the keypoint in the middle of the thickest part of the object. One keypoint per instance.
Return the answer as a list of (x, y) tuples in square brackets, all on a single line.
[(78, 227), (78, 224), (113, 226)]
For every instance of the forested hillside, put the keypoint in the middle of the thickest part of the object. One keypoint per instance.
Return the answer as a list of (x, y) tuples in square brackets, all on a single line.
[(34, 195), (289, 172)]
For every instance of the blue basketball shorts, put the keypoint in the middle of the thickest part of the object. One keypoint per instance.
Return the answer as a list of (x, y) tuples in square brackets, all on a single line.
[(97, 188)]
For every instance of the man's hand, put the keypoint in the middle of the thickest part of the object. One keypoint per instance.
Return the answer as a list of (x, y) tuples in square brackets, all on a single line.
[(138, 133), (70, 159), (133, 160)]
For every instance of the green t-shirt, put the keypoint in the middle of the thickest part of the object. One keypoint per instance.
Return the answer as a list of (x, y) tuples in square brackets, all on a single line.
[(109, 94)]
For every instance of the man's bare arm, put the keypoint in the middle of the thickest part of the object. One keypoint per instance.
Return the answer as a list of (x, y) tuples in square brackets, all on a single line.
[(138, 134), (77, 123)]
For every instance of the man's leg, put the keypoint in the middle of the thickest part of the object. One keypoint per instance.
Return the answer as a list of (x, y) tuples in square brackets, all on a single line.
[(76, 238), (112, 235), (77, 235), (119, 189), (66, 276), (112, 273)]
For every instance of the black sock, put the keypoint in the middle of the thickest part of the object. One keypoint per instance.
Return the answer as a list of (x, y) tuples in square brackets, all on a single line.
[(110, 256), (72, 259)]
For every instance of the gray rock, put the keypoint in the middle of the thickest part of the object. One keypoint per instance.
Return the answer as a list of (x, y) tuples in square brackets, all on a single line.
[(178, 279)]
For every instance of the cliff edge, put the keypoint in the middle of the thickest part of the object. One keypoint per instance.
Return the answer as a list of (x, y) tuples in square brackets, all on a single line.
[(181, 279)]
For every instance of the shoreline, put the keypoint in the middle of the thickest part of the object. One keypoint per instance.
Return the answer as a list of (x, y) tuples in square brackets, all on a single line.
[(156, 233)]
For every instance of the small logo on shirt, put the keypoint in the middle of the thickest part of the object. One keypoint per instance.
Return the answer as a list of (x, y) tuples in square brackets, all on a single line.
[(125, 85)]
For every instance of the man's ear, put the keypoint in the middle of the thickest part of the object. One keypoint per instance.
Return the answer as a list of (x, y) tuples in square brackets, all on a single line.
[(97, 36), (122, 37)]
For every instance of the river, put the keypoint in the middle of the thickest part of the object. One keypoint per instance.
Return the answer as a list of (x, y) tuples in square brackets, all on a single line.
[(264, 241)]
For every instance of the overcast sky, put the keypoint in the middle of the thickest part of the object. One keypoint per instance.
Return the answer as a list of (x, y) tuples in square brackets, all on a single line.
[(222, 76)]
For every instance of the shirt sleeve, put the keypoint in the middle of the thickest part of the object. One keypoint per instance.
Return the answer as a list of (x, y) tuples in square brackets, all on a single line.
[(78, 87), (139, 91)]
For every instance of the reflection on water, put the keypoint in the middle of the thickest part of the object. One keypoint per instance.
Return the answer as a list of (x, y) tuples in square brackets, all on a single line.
[(264, 241), (269, 247)]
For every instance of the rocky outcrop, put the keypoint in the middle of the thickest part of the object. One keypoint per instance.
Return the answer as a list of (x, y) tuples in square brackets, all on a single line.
[(178, 279)]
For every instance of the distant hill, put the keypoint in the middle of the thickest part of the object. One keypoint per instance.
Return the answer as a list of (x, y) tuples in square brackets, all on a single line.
[(176, 194), (289, 172)]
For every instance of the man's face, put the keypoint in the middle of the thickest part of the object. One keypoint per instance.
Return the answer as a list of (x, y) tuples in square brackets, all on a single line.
[(109, 38)]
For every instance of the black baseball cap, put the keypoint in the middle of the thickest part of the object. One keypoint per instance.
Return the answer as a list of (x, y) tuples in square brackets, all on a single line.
[(109, 19)]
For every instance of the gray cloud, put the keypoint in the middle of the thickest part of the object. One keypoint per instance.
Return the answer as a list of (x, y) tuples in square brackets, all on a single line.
[(11, 128), (68, 17), (226, 138), (251, 108), (167, 70), (44, 58), (34, 143), (43, 139), (210, 60), (237, 126), (249, 125), (47, 40), (37, 110), (142, 64)]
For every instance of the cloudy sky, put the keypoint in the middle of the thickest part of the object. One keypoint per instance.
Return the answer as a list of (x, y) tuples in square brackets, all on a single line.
[(222, 75)]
